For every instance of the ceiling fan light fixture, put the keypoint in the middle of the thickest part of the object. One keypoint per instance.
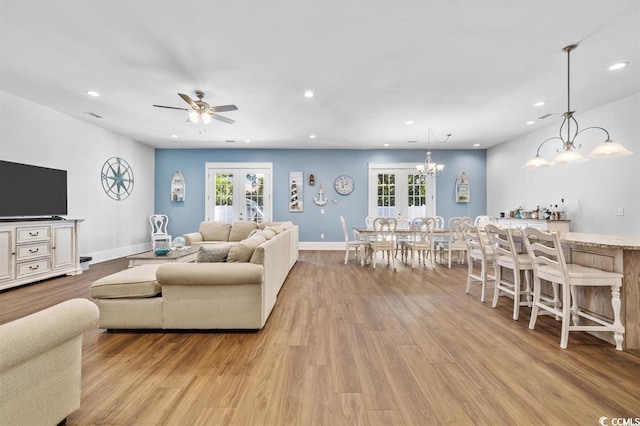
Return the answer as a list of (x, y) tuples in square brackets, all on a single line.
[(194, 117), (206, 118)]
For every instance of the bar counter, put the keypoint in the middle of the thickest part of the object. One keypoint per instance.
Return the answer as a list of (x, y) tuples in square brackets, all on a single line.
[(615, 254)]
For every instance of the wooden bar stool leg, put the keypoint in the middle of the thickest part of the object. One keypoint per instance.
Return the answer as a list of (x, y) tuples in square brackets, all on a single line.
[(617, 324), (566, 312)]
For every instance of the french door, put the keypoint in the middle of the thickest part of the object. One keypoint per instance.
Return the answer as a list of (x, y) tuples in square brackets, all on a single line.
[(398, 190), (238, 191)]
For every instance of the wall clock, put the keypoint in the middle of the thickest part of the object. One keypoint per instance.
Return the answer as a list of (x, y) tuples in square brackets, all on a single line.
[(343, 185), (117, 178)]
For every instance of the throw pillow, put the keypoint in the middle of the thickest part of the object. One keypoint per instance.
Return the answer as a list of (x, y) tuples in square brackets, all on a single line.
[(242, 251), (241, 229), (215, 231), (267, 233), (254, 232), (210, 253)]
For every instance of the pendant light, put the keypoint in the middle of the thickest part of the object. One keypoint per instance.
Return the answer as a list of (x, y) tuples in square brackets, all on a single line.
[(569, 131)]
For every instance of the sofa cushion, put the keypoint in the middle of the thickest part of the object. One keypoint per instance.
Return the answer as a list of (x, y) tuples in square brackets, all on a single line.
[(267, 233), (133, 282), (242, 251), (210, 253), (215, 231), (276, 228), (241, 230)]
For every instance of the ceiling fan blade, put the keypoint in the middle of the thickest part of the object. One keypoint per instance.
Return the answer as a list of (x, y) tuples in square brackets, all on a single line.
[(170, 107), (223, 108), (188, 100), (223, 119)]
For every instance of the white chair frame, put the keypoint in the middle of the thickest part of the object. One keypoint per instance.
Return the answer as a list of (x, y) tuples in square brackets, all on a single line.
[(159, 224), (549, 264), (507, 257), (354, 244)]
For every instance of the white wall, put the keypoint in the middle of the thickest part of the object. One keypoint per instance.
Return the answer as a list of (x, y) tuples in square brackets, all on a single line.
[(592, 190), (33, 134)]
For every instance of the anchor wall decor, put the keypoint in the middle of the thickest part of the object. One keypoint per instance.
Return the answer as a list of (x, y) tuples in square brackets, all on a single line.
[(321, 200)]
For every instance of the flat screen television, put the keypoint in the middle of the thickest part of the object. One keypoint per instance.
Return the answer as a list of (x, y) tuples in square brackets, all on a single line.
[(31, 191)]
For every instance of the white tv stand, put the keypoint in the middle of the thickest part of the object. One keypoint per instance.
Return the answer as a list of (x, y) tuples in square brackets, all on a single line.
[(34, 250)]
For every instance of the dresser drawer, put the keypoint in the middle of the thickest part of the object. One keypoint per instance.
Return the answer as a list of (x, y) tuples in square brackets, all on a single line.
[(33, 233), (30, 251), (34, 267)]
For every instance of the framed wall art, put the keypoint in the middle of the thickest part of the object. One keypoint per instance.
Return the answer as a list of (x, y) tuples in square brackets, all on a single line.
[(296, 192)]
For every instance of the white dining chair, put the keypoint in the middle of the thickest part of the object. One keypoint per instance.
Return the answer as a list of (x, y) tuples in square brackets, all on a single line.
[(384, 240), (420, 241), (350, 245)]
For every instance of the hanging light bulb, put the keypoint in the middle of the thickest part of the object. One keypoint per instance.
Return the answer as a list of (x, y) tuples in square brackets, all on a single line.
[(194, 116), (206, 118)]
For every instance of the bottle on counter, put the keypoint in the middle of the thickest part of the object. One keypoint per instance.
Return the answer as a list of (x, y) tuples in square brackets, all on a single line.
[(563, 210)]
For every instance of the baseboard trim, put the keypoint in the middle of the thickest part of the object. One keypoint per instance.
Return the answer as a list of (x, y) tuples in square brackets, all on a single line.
[(317, 245)]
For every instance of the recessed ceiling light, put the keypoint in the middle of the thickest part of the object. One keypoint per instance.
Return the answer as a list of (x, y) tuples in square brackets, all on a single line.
[(618, 66), (174, 136), (247, 141), (308, 94), (530, 122), (538, 104), (476, 144), (386, 144), (92, 93), (312, 136), (409, 122)]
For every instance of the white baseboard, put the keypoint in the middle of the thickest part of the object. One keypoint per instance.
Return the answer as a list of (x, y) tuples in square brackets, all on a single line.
[(317, 245), (103, 256)]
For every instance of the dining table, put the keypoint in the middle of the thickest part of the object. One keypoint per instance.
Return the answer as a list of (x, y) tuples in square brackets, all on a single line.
[(364, 234)]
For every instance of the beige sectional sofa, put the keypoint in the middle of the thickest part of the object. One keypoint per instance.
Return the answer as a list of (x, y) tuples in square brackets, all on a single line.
[(40, 363), (238, 293)]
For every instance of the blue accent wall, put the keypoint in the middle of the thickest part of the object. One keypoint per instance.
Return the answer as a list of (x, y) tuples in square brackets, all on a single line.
[(325, 165)]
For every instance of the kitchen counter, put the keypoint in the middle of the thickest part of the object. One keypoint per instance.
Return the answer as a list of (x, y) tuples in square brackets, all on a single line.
[(541, 224), (615, 254), (601, 240)]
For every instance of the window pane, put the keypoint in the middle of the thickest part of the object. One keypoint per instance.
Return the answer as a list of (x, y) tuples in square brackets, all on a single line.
[(223, 207), (254, 197)]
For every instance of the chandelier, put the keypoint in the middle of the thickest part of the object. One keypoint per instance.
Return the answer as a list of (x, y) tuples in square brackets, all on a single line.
[(569, 130), (430, 167)]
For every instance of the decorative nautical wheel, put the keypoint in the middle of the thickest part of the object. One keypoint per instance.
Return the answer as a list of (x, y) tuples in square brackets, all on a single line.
[(117, 178)]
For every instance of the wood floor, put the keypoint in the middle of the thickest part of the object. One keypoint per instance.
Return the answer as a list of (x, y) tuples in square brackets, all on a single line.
[(347, 345)]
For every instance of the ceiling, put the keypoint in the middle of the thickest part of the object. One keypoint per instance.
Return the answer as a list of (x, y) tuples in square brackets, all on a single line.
[(470, 68)]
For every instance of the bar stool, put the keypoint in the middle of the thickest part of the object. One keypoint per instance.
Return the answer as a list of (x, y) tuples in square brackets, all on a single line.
[(549, 264), (478, 251), (508, 257)]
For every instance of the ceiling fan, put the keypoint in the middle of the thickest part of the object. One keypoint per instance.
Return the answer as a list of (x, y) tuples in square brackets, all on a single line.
[(201, 110)]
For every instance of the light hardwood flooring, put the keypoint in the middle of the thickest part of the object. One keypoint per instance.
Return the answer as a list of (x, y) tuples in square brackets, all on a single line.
[(347, 345)]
